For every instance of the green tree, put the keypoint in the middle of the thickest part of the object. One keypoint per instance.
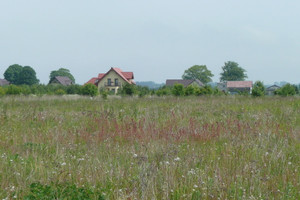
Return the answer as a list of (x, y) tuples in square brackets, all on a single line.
[(199, 72), (12, 73), (61, 72), (286, 90), (233, 72), (89, 89), (258, 89), (27, 76)]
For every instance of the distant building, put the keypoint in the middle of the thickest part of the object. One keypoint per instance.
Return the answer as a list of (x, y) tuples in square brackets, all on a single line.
[(112, 80), (62, 80), (270, 90), (194, 82), (234, 87), (4, 82)]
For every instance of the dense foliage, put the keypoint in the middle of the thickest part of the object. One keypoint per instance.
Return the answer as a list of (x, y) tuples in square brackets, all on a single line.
[(199, 72), (18, 75), (258, 89), (61, 72), (233, 72)]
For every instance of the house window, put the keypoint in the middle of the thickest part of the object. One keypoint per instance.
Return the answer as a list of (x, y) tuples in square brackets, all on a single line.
[(109, 82), (116, 82)]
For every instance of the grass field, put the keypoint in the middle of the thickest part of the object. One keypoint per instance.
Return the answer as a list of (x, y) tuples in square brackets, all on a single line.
[(150, 148)]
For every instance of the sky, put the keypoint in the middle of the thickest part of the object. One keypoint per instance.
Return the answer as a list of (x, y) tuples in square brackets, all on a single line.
[(157, 39)]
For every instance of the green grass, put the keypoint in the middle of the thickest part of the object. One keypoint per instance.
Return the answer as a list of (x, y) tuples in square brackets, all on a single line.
[(150, 148)]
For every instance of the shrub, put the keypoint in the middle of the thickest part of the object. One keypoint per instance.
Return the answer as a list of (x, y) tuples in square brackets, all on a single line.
[(89, 89), (178, 90), (286, 90), (258, 89), (73, 89), (163, 91), (189, 90), (13, 90), (2, 91), (60, 92), (128, 89)]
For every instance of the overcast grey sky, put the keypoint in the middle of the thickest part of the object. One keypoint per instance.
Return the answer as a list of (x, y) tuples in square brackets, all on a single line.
[(155, 39)]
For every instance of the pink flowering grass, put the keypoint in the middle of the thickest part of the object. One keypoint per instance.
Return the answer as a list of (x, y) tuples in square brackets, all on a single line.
[(151, 148)]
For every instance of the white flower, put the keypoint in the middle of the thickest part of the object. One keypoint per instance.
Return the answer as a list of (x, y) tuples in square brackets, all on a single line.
[(195, 186), (63, 164), (289, 163), (135, 155), (167, 163), (177, 159)]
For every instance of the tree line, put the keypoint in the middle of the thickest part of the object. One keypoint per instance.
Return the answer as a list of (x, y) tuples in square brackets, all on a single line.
[(24, 81)]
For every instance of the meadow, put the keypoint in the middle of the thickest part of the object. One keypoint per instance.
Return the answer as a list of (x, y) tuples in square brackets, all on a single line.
[(227, 147)]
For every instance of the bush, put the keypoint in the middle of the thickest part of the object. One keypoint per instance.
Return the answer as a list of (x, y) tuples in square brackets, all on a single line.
[(2, 91), (189, 90), (286, 90), (13, 90), (60, 92), (163, 91), (178, 90), (73, 89), (89, 89), (128, 89), (258, 89)]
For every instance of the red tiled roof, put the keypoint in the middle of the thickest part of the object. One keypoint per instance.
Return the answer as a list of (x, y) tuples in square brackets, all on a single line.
[(128, 75), (100, 75), (239, 84), (92, 80), (124, 75)]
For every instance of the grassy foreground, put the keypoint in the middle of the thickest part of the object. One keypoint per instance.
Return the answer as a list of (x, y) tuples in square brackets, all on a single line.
[(150, 148)]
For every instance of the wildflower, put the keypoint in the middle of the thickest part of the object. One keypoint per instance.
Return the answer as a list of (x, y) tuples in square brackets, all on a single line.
[(167, 163), (63, 164), (289, 163), (177, 159), (135, 155), (195, 186)]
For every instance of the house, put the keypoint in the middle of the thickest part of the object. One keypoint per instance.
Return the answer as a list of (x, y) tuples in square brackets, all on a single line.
[(62, 80), (234, 87), (112, 80), (193, 82), (4, 82), (270, 90)]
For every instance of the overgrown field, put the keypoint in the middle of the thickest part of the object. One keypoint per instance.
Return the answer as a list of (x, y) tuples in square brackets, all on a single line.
[(150, 148)]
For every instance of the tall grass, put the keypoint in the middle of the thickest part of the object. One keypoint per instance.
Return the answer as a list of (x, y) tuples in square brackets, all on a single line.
[(150, 148)]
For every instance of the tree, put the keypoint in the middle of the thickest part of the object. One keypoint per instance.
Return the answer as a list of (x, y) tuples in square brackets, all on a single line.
[(12, 73), (233, 72), (27, 76), (199, 72), (61, 72), (286, 90), (258, 89), (89, 89)]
